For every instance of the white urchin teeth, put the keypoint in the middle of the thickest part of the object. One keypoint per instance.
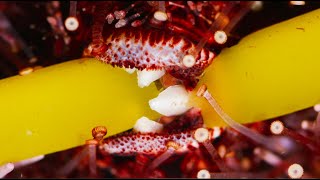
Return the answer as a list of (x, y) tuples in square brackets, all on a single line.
[(145, 78), (6, 169), (145, 125), (172, 101), (129, 70)]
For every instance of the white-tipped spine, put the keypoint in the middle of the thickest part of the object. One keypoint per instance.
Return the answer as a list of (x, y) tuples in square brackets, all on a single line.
[(145, 125), (145, 77), (203, 174), (295, 171)]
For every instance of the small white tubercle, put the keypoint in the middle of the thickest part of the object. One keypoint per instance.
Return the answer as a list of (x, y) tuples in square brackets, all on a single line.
[(172, 101), (145, 125), (145, 78)]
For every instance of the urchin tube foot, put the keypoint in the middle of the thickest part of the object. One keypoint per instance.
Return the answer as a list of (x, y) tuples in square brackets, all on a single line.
[(71, 165), (258, 138), (160, 159), (92, 160), (202, 135)]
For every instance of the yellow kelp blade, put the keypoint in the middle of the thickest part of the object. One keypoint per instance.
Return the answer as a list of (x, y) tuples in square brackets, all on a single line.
[(270, 73), (55, 108)]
